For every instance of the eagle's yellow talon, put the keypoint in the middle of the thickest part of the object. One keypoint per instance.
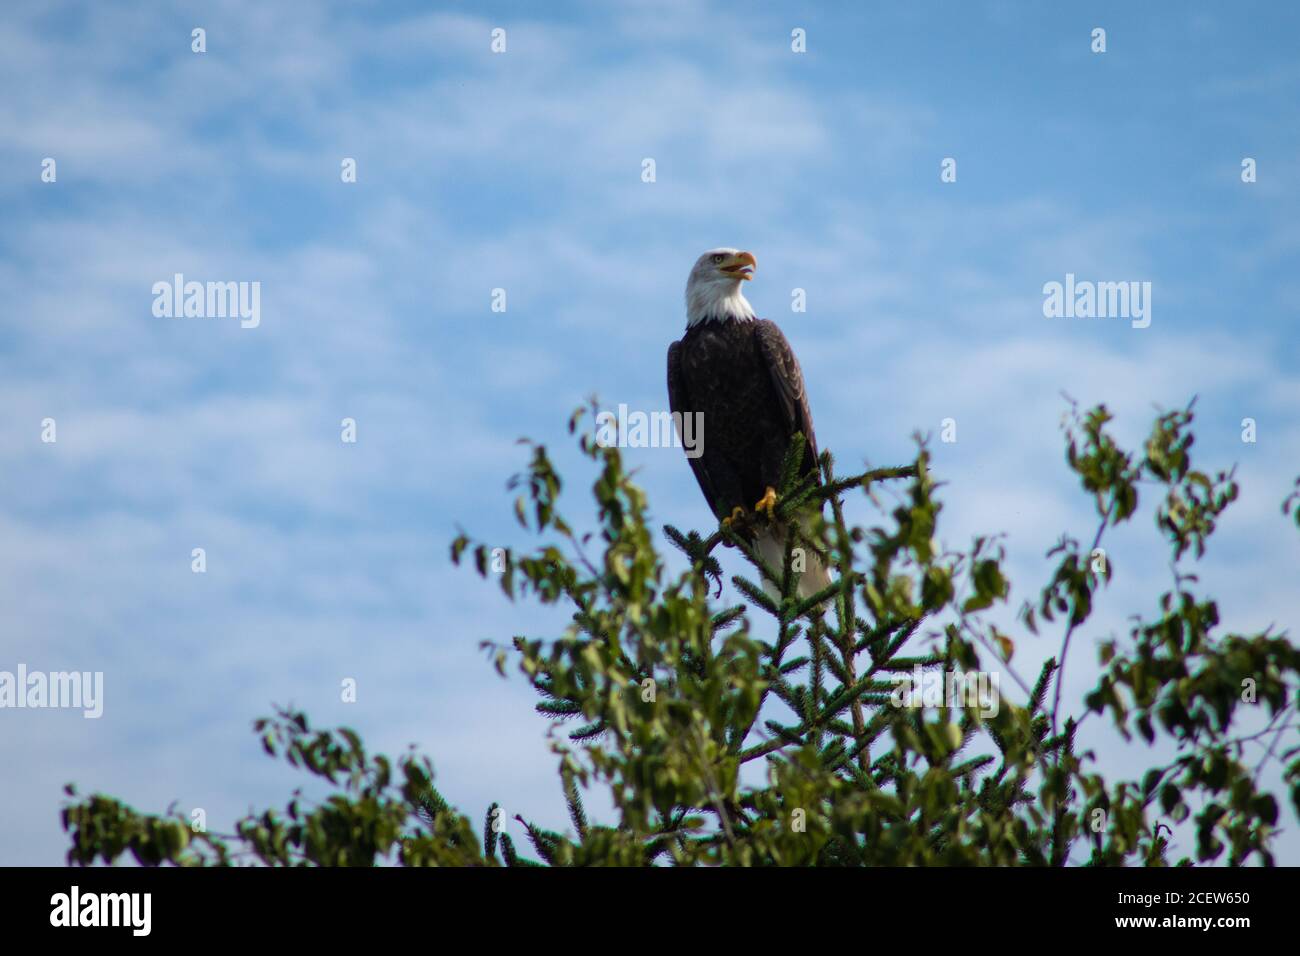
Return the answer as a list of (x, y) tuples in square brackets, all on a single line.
[(737, 519), (767, 504)]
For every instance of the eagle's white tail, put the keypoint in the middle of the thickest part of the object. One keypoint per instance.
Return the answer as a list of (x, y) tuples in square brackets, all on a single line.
[(770, 544)]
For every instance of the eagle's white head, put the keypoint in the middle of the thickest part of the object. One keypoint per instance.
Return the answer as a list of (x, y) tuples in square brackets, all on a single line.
[(713, 287)]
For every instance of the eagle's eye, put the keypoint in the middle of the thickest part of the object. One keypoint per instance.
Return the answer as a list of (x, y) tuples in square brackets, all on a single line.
[(718, 258)]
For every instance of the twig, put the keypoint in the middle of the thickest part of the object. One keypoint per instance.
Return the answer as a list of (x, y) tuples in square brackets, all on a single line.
[(1069, 632)]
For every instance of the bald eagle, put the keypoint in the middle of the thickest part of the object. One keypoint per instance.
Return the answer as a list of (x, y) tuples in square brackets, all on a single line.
[(739, 372)]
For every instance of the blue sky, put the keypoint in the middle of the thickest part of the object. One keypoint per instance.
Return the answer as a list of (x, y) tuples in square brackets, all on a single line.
[(522, 171)]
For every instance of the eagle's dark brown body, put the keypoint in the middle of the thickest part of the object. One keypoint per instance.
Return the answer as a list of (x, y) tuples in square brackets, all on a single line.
[(744, 378)]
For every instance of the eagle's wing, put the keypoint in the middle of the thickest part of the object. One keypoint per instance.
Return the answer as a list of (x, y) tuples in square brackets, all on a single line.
[(788, 379), (679, 401)]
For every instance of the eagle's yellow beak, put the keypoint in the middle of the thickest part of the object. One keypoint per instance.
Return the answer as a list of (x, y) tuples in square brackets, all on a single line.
[(740, 264)]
